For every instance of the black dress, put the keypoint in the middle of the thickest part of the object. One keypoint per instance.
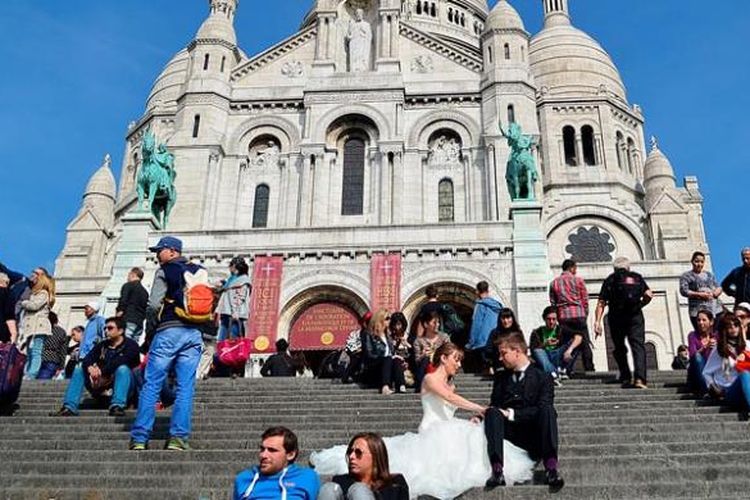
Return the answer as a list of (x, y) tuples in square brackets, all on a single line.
[(397, 490)]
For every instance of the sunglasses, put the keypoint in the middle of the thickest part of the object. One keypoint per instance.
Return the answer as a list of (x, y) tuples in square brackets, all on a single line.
[(357, 452)]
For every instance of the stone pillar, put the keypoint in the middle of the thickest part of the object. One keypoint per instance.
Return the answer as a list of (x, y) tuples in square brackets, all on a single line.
[(305, 202), (492, 188), (324, 63), (398, 181), (466, 163), (132, 251), (320, 190), (531, 267)]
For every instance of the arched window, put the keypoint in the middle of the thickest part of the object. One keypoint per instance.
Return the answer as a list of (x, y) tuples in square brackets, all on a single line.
[(206, 59), (569, 146), (223, 63), (511, 114), (489, 54), (506, 48), (620, 145), (587, 138), (523, 53), (352, 196), (450, 15), (196, 125), (631, 155), (419, 7), (433, 10), (445, 201), (260, 206), (463, 19)]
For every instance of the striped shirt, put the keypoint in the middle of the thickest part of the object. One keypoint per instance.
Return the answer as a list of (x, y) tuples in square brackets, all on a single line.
[(568, 294)]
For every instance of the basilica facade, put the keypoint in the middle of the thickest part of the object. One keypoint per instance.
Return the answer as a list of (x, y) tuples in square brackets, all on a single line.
[(364, 158)]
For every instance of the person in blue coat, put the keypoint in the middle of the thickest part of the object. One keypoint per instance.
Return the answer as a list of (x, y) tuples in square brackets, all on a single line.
[(486, 310), (277, 476)]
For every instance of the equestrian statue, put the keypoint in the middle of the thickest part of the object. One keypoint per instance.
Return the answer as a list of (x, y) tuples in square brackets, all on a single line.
[(156, 179), (521, 172)]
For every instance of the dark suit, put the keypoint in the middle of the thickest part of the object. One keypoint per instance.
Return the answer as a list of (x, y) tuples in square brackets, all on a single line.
[(534, 425)]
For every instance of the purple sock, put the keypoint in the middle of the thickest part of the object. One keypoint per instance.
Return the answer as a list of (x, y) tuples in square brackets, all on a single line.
[(550, 464)]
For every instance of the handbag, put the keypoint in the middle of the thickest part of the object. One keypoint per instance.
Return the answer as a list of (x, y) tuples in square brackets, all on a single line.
[(234, 353)]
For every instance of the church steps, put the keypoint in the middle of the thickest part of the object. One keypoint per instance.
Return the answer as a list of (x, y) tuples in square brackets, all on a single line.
[(615, 443)]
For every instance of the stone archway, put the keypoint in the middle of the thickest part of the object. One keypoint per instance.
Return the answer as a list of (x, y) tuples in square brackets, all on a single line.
[(318, 320), (458, 295)]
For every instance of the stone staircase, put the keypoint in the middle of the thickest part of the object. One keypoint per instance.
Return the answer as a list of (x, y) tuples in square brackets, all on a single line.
[(615, 443)]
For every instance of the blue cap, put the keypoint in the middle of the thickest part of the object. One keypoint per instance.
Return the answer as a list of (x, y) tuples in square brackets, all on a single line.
[(167, 242)]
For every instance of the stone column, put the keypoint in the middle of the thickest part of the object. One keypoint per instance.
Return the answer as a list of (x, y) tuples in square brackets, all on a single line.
[(395, 29), (306, 180), (132, 251), (530, 261), (492, 189), (291, 209), (398, 181), (319, 191), (468, 191)]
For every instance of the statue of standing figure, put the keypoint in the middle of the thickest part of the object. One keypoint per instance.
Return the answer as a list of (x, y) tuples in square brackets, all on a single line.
[(156, 179), (521, 172), (359, 38)]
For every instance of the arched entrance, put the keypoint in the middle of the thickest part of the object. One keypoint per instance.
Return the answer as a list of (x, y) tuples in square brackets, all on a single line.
[(319, 320), (459, 296)]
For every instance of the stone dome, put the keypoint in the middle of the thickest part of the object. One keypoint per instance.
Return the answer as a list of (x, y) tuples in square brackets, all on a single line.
[(168, 86), (102, 182), (658, 171), (217, 28), (504, 16), (568, 62)]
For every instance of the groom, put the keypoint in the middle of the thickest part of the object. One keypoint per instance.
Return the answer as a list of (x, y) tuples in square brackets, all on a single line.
[(521, 411)]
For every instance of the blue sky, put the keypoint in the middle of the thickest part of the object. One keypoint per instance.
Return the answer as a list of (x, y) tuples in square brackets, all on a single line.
[(76, 72)]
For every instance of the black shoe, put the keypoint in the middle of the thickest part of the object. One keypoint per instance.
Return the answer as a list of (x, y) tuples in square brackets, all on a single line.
[(495, 480), (555, 481), (62, 412), (116, 411)]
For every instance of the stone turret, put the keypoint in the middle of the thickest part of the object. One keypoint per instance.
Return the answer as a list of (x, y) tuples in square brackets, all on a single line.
[(92, 228), (658, 175)]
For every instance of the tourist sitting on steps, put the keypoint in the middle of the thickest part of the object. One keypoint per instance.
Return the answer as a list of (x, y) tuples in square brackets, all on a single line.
[(554, 354), (109, 366), (277, 475), (700, 344), (369, 476), (722, 373), (380, 368), (506, 324), (681, 360), (426, 345), (280, 364)]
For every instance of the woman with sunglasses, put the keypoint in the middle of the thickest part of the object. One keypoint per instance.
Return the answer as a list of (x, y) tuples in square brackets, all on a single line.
[(381, 370), (448, 455), (369, 475)]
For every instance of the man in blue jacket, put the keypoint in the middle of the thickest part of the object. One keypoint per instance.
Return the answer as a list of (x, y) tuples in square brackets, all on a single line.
[(277, 476), (486, 310)]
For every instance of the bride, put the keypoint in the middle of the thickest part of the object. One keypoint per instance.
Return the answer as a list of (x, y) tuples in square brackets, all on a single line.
[(448, 455)]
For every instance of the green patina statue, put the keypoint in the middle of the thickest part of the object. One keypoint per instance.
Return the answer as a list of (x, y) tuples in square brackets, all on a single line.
[(156, 179), (521, 173)]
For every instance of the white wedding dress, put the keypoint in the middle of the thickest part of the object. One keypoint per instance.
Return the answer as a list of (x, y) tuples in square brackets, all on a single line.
[(447, 457)]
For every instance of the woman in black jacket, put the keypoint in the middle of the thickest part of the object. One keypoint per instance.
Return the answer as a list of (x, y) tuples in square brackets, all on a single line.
[(381, 370), (369, 473)]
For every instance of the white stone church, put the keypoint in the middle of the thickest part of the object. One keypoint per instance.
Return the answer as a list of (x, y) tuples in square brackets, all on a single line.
[(374, 129)]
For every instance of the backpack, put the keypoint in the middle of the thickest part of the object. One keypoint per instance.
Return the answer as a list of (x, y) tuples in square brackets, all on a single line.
[(12, 363), (627, 291), (197, 298), (452, 323)]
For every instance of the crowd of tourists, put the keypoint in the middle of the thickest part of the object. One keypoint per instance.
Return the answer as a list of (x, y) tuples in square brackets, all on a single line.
[(150, 352)]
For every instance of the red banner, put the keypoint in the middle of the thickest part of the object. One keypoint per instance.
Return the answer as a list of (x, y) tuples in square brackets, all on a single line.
[(385, 282), (323, 326), (264, 314)]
